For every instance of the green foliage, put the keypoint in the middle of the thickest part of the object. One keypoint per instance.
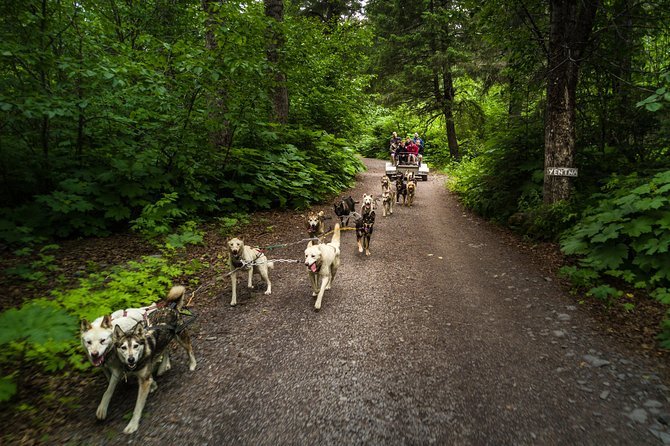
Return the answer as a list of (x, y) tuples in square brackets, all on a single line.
[(293, 168), (38, 269), (27, 332), (504, 177), (625, 236), (230, 223), (188, 234), (138, 283), (108, 120), (661, 96), (541, 221), (157, 218)]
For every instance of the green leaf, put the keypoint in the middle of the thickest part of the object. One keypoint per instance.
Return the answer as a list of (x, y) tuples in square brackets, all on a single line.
[(639, 226), (36, 323), (654, 106), (7, 388), (609, 232)]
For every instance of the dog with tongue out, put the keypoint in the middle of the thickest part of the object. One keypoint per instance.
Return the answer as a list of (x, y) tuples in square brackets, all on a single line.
[(322, 261)]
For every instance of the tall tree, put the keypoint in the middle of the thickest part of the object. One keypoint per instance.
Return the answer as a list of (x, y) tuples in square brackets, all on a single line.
[(274, 9), (221, 133), (418, 48), (571, 23)]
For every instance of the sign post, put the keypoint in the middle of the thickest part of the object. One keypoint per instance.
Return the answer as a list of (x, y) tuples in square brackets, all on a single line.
[(562, 171)]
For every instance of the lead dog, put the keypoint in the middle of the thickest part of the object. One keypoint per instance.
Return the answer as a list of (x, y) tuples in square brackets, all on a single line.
[(115, 366), (96, 337), (140, 350), (322, 260), (241, 256)]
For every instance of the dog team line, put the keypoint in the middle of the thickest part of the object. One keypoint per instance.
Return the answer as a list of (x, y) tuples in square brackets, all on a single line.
[(135, 341)]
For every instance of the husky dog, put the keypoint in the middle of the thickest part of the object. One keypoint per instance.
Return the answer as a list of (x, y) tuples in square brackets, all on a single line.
[(344, 208), (400, 189), (139, 350), (411, 191), (388, 198), (239, 255), (364, 227), (96, 336), (315, 224), (322, 261)]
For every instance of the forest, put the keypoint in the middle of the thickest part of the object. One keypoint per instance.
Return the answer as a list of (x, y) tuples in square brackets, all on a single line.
[(159, 117)]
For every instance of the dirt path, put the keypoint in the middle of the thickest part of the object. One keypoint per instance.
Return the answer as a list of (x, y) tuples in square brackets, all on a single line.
[(443, 335)]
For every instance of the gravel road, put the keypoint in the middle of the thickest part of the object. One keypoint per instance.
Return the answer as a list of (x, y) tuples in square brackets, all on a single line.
[(444, 335)]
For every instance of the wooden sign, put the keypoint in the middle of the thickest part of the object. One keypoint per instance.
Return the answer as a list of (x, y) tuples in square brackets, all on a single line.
[(562, 171)]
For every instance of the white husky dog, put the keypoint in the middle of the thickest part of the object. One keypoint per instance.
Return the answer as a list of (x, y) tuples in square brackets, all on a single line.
[(239, 255), (322, 261)]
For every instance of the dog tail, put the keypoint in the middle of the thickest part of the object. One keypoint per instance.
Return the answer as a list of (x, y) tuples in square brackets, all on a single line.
[(176, 295), (336, 235)]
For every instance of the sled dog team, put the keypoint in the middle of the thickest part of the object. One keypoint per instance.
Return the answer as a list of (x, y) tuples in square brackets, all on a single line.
[(134, 342)]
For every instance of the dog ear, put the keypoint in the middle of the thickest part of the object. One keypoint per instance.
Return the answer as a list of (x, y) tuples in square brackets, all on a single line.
[(138, 330), (321, 214), (309, 245), (118, 332), (106, 321), (84, 325)]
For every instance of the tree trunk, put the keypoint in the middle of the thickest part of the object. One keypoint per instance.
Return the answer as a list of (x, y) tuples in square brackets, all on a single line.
[(570, 26), (448, 111), (221, 137), (274, 9)]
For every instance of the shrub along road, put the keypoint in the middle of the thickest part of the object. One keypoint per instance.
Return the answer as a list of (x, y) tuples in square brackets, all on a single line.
[(444, 335)]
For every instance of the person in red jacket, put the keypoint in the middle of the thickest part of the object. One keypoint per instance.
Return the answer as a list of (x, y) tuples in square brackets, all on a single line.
[(412, 149)]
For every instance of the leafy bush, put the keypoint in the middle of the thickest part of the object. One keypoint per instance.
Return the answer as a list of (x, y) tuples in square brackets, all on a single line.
[(625, 236), (494, 182), (292, 168), (36, 327)]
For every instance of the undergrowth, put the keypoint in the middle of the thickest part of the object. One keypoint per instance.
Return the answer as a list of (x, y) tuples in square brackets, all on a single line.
[(624, 238), (43, 332)]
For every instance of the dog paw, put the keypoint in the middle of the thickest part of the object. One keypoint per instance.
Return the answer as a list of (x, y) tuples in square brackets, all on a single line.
[(101, 413), (268, 292), (314, 294), (192, 365), (131, 428), (153, 387)]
